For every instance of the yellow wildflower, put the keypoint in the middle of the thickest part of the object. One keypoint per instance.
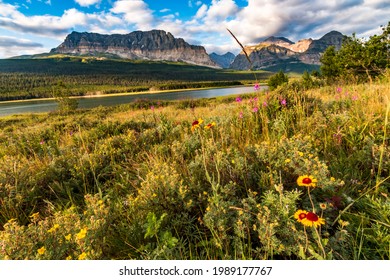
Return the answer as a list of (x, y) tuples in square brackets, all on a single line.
[(82, 233), (53, 228), (41, 250), (83, 256)]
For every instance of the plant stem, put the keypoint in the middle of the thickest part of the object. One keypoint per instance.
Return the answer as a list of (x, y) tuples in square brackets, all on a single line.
[(320, 243)]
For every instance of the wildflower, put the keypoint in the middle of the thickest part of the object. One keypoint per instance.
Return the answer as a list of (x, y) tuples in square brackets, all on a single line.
[(343, 224), (306, 181), (309, 219), (257, 87), (54, 228), (283, 102), (35, 216), (312, 220), (241, 115), (210, 125), (68, 237), (42, 142), (83, 256), (339, 89), (152, 108), (265, 104), (323, 206), (41, 250), (238, 99), (300, 215), (82, 233), (196, 124), (287, 160), (255, 109), (68, 258), (11, 221)]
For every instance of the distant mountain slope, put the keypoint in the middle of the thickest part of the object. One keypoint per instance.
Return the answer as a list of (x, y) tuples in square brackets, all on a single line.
[(149, 45), (223, 61), (279, 52)]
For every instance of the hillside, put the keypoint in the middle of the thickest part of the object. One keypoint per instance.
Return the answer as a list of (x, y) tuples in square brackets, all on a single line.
[(33, 78)]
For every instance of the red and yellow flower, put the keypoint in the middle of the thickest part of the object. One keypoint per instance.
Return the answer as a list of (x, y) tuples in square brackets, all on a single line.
[(196, 124), (210, 125), (309, 219), (300, 215), (307, 181)]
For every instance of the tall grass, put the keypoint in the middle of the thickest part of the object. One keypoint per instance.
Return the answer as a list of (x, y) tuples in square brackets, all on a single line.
[(145, 181)]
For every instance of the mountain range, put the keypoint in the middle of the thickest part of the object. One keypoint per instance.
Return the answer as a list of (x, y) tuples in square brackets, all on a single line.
[(274, 53), (281, 52)]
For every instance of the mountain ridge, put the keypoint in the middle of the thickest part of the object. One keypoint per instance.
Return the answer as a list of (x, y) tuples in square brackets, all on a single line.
[(280, 51), (145, 45)]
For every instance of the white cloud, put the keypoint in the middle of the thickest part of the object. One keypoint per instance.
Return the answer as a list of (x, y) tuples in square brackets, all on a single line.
[(197, 3), (11, 46), (222, 9), (298, 19), (86, 3), (134, 12), (201, 11)]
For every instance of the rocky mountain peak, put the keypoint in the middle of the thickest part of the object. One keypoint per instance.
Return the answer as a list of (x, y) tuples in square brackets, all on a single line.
[(279, 51), (278, 41), (145, 45)]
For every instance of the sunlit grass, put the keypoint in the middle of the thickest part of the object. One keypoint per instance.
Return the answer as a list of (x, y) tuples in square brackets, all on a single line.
[(140, 181)]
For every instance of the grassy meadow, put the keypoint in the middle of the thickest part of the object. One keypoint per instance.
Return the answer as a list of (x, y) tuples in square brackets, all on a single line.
[(270, 175)]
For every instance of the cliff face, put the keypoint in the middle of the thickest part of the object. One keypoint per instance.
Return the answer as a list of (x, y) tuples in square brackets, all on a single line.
[(279, 51), (150, 45)]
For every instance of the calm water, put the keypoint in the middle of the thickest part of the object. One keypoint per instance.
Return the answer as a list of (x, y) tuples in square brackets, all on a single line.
[(37, 106)]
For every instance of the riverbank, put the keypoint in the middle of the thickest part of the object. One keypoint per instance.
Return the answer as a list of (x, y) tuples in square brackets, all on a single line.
[(262, 85), (49, 104)]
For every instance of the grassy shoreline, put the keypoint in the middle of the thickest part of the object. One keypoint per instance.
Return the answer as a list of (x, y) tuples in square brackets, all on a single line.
[(128, 93)]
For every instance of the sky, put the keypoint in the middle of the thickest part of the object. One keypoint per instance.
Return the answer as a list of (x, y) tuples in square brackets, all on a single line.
[(36, 26)]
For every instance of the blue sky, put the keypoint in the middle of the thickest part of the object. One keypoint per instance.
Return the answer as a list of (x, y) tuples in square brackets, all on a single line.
[(36, 26)]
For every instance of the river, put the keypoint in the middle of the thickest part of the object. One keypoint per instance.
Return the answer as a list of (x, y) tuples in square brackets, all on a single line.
[(46, 105)]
